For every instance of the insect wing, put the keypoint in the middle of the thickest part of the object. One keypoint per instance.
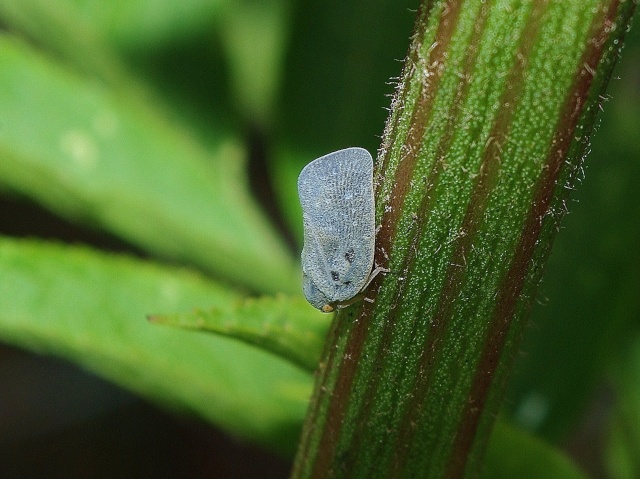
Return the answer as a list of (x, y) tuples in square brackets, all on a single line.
[(336, 193)]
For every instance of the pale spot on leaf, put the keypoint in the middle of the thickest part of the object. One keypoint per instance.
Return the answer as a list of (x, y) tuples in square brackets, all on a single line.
[(80, 147)]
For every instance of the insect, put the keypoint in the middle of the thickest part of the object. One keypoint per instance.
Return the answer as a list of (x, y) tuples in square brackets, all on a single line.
[(336, 194)]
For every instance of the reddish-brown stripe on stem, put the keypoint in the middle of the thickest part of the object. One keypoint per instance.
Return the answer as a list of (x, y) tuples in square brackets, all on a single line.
[(441, 318), (513, 282), (414, 140), (358, 333), (401, 94), (412, 145), (338, 403), (403, 444), (329, 356), (431, 72)]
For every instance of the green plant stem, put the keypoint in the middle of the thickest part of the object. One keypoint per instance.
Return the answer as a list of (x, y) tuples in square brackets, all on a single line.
[(486, 137)]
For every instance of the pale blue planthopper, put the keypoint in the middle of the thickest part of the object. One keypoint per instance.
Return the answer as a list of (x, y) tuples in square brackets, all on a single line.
[(336, 193)]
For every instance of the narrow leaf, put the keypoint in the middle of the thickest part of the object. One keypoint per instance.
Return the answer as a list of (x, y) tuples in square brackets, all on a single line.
[(93, 155), (57, 28), (136, 24), (254, 35), (285, 326), (132, 24), (90, 308)]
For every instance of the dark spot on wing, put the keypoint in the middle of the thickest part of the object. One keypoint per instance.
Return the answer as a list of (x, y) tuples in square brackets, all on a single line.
[(335, 276), (350, 255)]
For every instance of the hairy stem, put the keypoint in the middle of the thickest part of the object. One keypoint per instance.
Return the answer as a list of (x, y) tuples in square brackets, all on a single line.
[(486, 137)]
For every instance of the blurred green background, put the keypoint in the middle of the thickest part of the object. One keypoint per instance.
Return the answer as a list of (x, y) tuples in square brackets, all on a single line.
[(255, 90)]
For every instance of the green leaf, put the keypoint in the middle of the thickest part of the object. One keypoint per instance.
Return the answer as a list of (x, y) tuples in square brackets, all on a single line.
[(186, 73), (97, 156), (513, 453), (285, 326), (254, 35), (152, 36), (131, 24), (136, 24), (90, 308), (57, 28)]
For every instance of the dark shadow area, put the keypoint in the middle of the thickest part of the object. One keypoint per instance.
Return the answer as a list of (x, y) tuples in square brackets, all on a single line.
[(59, 421), (20, 217)]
